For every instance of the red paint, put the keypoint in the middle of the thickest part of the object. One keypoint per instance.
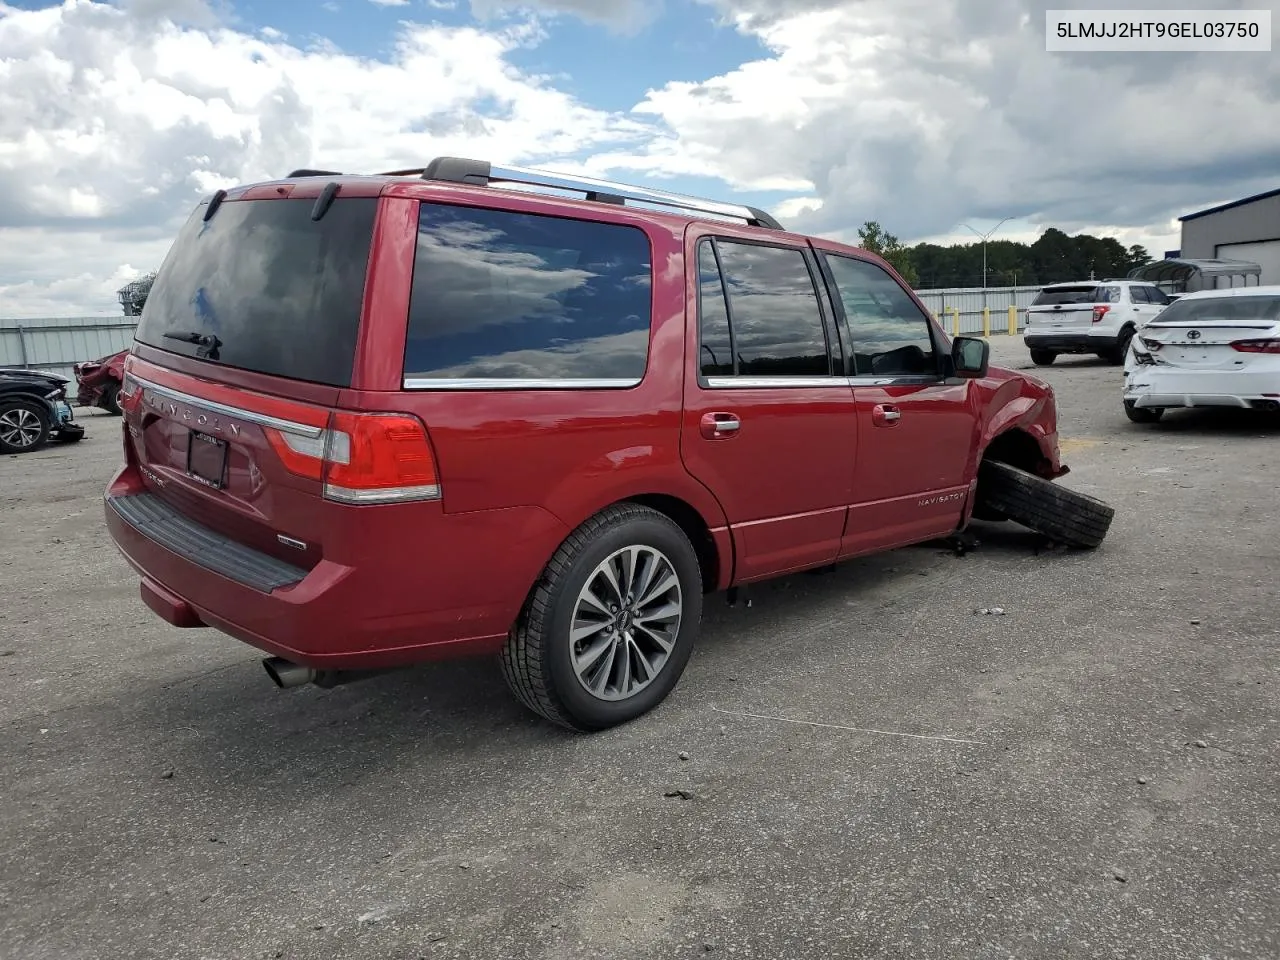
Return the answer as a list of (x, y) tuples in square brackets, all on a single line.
[(810, 474), (94, 377)]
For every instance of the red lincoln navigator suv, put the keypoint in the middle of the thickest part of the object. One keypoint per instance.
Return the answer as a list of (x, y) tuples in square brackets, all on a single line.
[(373, 420)]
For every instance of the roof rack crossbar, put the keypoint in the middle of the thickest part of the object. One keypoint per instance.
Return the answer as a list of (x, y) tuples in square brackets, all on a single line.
[(482, 173)]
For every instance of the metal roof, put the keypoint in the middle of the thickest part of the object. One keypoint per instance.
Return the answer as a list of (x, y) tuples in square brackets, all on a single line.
[(1234, 203), (1181, 269)]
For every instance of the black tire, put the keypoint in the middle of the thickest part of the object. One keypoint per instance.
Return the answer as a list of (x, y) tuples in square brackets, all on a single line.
[(1065, 515), (1142, 414), (1117, 355), (71, 434), (537, 658), (110, 401), (24, 426), (1043, 358)]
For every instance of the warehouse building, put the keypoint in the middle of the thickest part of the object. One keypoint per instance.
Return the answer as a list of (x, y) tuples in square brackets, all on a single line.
[(1247, 229)]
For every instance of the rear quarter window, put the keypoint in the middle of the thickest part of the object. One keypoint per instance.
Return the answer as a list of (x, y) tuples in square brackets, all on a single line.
[(506, 299)]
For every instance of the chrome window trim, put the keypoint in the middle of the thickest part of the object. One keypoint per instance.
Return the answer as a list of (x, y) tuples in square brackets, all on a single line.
[(261, 419), (748, 383), (500, 383)]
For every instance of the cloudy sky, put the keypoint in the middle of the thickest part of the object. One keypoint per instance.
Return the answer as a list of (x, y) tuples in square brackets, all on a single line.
[(115, 118)]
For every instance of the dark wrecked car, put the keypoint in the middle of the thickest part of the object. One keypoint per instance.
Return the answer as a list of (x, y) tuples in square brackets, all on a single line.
[(34, 410), (99, 382)]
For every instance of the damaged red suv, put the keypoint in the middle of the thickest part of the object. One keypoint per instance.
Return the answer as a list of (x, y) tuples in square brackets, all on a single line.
[(374, 420)]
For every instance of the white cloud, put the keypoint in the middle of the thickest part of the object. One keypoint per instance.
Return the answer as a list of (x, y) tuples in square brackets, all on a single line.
[(390, 3), (112, 128), (924, 113)]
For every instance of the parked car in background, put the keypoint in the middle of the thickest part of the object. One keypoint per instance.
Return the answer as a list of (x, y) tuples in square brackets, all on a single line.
[(1089, 317), (1214, 348), (99, 382), (34, 410), (373, 420)]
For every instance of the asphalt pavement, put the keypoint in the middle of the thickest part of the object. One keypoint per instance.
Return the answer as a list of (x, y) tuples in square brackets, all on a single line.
[(859, 765)]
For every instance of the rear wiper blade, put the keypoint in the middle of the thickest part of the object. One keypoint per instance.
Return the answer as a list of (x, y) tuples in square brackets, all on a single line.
[(207, 342), (194, 336)]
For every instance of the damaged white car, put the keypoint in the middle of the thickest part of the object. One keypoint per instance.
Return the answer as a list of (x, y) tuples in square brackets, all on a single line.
[(1214, 348)]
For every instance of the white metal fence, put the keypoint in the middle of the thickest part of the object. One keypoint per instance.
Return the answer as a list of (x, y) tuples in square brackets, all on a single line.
[(966, 303), (54, 344)]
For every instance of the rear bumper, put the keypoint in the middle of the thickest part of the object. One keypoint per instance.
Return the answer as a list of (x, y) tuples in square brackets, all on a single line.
[(1069, 342), (1148, 385), (412, 603)]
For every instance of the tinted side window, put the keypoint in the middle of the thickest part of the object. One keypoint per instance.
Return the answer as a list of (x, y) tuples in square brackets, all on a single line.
[(891, 335), (1138, 294), (714, 337), (1156, 295), (511, 297), (774, 311)]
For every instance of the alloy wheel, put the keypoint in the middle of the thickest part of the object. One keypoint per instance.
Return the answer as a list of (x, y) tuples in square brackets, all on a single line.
[(625, 623), (20, 427)]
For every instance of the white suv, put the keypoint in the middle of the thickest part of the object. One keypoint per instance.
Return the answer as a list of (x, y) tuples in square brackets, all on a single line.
[(1090, 317)]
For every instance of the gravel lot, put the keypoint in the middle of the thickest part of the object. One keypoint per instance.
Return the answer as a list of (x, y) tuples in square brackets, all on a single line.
[(1093, 774)]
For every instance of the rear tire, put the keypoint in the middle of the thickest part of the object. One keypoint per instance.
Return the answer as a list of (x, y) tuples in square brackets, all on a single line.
[(1142, 414), (111, 399), (1065, 515), (1043, 358), (621, 664), (24, 426), (1121, 350)]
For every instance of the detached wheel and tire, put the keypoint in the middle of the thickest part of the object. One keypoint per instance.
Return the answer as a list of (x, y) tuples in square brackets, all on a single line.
[(1043, 358), (1142, 414), (608, 629), (1069, 517), (24, 426)]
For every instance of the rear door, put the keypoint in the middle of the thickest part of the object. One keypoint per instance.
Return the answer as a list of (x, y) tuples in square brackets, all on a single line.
[(1221, 333), (247, 338), (916, 432), (769, 423)]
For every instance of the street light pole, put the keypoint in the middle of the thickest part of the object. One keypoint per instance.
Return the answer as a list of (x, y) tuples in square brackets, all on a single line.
[(984, 237)]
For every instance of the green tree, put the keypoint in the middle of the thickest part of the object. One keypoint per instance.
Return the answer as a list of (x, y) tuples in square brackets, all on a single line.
[(873, 238)]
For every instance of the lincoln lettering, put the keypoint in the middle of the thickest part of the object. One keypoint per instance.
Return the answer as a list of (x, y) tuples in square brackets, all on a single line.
[(187, 414)]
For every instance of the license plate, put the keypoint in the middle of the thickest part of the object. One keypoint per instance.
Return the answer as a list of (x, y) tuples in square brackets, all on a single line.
[(207, 459)]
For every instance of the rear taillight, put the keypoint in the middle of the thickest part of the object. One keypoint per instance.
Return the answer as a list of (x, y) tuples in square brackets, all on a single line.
[(364, 458), (1256, 346), (1100, 311)]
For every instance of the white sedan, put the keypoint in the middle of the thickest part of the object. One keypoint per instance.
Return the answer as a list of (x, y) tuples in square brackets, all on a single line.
[(1214, 348)]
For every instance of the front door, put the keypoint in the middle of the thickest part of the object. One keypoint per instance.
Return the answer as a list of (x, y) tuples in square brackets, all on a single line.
[(769, 420), (916, 432)]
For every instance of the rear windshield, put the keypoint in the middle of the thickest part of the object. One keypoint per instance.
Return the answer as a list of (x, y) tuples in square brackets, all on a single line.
[(517, 299), (1223, 310), (261, 286), (1084, 293)]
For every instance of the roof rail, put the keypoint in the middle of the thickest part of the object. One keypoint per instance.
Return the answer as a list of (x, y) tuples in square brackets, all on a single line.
[(481, 173), (313, 173)]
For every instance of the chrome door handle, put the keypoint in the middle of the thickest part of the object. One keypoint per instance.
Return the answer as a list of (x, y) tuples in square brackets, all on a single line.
[(892, 415), (719, 426)]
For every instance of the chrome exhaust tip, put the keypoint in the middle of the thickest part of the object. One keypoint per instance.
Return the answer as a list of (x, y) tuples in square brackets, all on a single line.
[(286, 674)]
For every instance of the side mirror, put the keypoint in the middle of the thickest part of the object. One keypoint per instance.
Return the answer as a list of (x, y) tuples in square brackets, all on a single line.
[(971, 356)]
